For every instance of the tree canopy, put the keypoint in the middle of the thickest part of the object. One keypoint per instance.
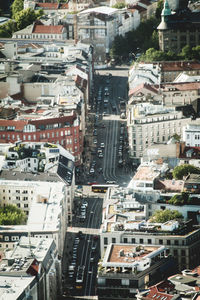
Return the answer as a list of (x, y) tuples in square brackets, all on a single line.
[(162, 216), (26, 17), (184, 170), (180, 199), (17, 6), (7, 29), (11, 215), (119, 5)]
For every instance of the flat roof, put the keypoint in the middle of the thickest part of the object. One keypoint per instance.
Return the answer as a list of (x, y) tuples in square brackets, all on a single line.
[(129, 252), (146, 173)]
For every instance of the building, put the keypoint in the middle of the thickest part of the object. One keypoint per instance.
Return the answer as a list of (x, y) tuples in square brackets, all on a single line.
[(148, 123), (31, 270), (179, 28), (42, 32), (100, 25), (127, 268), (191, 134), (37, 161), (35, 126), (124, 221), (179, 286)]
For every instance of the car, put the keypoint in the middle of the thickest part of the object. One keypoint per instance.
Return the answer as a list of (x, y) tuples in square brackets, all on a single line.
[(92, 171), (110, 181), (106, 89), (100, 155), (94, 248), (95, 141), (102, 145), (95, 132), (100, 170)]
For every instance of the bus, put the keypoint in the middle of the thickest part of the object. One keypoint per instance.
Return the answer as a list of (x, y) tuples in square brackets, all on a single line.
[(102, 188)]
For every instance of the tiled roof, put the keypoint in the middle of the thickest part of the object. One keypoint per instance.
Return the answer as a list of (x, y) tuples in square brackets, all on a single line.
[(48, 5), (182, 86), (141, 86), (179, 66), (169, 185), (57, 29), (159, 291)]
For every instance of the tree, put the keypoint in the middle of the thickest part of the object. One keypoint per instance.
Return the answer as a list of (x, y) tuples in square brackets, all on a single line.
[(184, 170), (26, 17), (7, 29), (119, 5), (179, 199), (186, 53), (11, 215), (159, 9), (17, 6), (162, 216)]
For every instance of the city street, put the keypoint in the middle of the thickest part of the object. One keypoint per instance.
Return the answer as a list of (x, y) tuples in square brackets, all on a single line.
[(106, 162)]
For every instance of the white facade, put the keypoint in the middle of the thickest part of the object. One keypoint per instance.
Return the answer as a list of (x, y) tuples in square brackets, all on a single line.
[(147, 125), (191, 134), (36, 196)]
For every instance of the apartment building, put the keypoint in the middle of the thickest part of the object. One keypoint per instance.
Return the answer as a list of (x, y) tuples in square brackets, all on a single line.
[(56, 128), (174, 287), (148, 123), (33, 196), (182, 242), (126, 268), (31, 270), (191, 134), (99, 26)]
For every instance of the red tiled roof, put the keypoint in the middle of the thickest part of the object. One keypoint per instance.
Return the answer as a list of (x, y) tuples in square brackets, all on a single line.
[(141, 86), (48, 5), (57, 29), (80, 82), (179, 66), (185, 86), (160, 290)]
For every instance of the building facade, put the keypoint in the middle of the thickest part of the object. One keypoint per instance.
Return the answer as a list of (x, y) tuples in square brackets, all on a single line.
[(147, 125)]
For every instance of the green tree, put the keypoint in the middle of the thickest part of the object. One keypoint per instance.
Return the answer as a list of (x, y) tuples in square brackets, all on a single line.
[(159, 9), (162, 216), (7, 29), (196, 53), (16, 7), (179, 199), (119, 5), (176, 137), (186, 53), (11, 215), (25, 17), (119, 47), (184, 170)]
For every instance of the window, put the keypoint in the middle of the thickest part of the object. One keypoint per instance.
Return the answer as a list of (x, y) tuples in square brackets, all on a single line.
[(133, 240), (175, 252), (183, 252), (149, 241), (141, 241), (176, 242), (125, 240), (168, 242), (105, 241), (160, 242), (6, 239), (113, 240)]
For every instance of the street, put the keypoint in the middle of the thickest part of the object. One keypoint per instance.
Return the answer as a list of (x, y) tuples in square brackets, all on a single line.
[(106, 162)]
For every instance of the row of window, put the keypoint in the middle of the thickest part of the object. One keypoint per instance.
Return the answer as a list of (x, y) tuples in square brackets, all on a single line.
[(149, 241)]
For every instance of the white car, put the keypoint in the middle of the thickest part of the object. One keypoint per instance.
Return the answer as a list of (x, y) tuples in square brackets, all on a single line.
[(91, 171), (102, 145)]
